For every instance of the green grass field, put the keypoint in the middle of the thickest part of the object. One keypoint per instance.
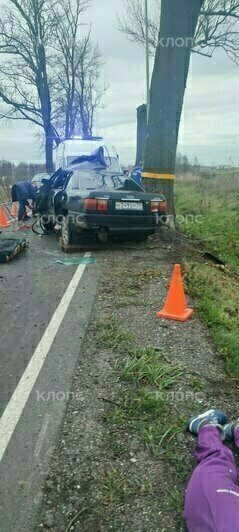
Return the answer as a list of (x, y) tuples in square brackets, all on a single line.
[(208, 210)]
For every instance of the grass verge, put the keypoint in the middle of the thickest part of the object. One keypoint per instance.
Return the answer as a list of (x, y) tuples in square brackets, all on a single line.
[(145, 411), (217, 301), (216, 292), (112, 335), (209, 212)]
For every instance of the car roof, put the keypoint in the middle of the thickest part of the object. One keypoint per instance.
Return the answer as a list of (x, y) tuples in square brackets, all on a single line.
[(72, 167)]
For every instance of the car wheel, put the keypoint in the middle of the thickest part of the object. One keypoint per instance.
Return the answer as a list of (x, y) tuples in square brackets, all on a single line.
[(47, 224), (138, 237), (103, 236), (66, 233)]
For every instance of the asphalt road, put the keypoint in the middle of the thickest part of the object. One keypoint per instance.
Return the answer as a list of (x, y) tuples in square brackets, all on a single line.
[(37, 362)]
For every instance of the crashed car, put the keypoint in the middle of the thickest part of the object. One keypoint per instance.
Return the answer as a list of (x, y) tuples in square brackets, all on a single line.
[(88, 197)]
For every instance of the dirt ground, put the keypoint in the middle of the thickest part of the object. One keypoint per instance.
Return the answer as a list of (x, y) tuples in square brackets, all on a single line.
[(124, 456)]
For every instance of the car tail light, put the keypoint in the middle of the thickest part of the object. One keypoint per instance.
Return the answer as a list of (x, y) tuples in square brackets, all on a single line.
[(163, 206), (96, 204), (102, 205), (90, 204), (158, 206)]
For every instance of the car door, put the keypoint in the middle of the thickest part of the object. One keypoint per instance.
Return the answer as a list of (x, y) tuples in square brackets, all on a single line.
[(56, 187)]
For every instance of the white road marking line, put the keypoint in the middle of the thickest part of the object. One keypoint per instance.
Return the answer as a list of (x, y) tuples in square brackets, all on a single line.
[(14, 408)]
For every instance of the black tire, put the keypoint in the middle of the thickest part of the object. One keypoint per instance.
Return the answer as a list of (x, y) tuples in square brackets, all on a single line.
[(47, 224), (141, 238), (66, 232), (103, 236), (138, 237)]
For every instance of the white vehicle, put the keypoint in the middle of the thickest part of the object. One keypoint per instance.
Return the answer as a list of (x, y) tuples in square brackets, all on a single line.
[(37, 179), (69, 150)]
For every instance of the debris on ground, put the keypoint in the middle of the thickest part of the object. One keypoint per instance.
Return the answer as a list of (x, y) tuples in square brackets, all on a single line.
[(76, 261), (10, 247)]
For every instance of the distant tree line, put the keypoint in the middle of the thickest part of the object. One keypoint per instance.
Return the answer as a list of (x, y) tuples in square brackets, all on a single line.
[(10, 172), (185, 166)]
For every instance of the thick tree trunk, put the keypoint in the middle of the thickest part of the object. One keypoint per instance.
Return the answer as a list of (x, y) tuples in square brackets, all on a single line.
[(85, 129), (67, 124), (177, 29), (141, 133), (44, 97), (49, 152), (84, 123)]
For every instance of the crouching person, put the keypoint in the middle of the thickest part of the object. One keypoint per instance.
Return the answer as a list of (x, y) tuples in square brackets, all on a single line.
[(23, 192)]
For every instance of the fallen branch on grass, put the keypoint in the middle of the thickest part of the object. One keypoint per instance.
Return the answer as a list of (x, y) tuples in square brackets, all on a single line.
[(109, 401), (75, 518)]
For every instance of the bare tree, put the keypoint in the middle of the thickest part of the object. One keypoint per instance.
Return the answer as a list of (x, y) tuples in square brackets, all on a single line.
[(132, 23), (77, 66), (89, 90), (217, 27), (67, 60), (25, 38), (49, 73)]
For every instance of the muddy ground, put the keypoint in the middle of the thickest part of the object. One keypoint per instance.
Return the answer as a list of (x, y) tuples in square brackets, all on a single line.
[(124, 456)]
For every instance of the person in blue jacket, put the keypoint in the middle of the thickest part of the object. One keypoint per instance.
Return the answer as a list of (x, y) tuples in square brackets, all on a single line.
[(137, 173), (23, 191)]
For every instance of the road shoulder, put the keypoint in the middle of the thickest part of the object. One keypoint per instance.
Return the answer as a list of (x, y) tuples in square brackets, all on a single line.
[(124, 457)]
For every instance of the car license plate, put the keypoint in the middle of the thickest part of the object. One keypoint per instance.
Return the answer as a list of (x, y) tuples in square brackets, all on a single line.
[(128, 205)]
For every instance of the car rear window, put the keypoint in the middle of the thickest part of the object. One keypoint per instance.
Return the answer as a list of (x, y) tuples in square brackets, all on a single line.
[(83, 180)]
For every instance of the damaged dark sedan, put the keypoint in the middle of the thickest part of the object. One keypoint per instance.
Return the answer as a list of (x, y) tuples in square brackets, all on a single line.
[(87, 197)]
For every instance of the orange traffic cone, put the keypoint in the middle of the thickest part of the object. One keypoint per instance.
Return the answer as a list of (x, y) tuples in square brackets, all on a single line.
[(175, 307), (14, 210), (3, 218)]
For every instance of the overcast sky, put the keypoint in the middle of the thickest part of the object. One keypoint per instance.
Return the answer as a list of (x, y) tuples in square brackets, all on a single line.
[(210, 122)]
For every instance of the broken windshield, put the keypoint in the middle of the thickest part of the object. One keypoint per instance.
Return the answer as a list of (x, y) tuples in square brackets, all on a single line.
[(100, 180)]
